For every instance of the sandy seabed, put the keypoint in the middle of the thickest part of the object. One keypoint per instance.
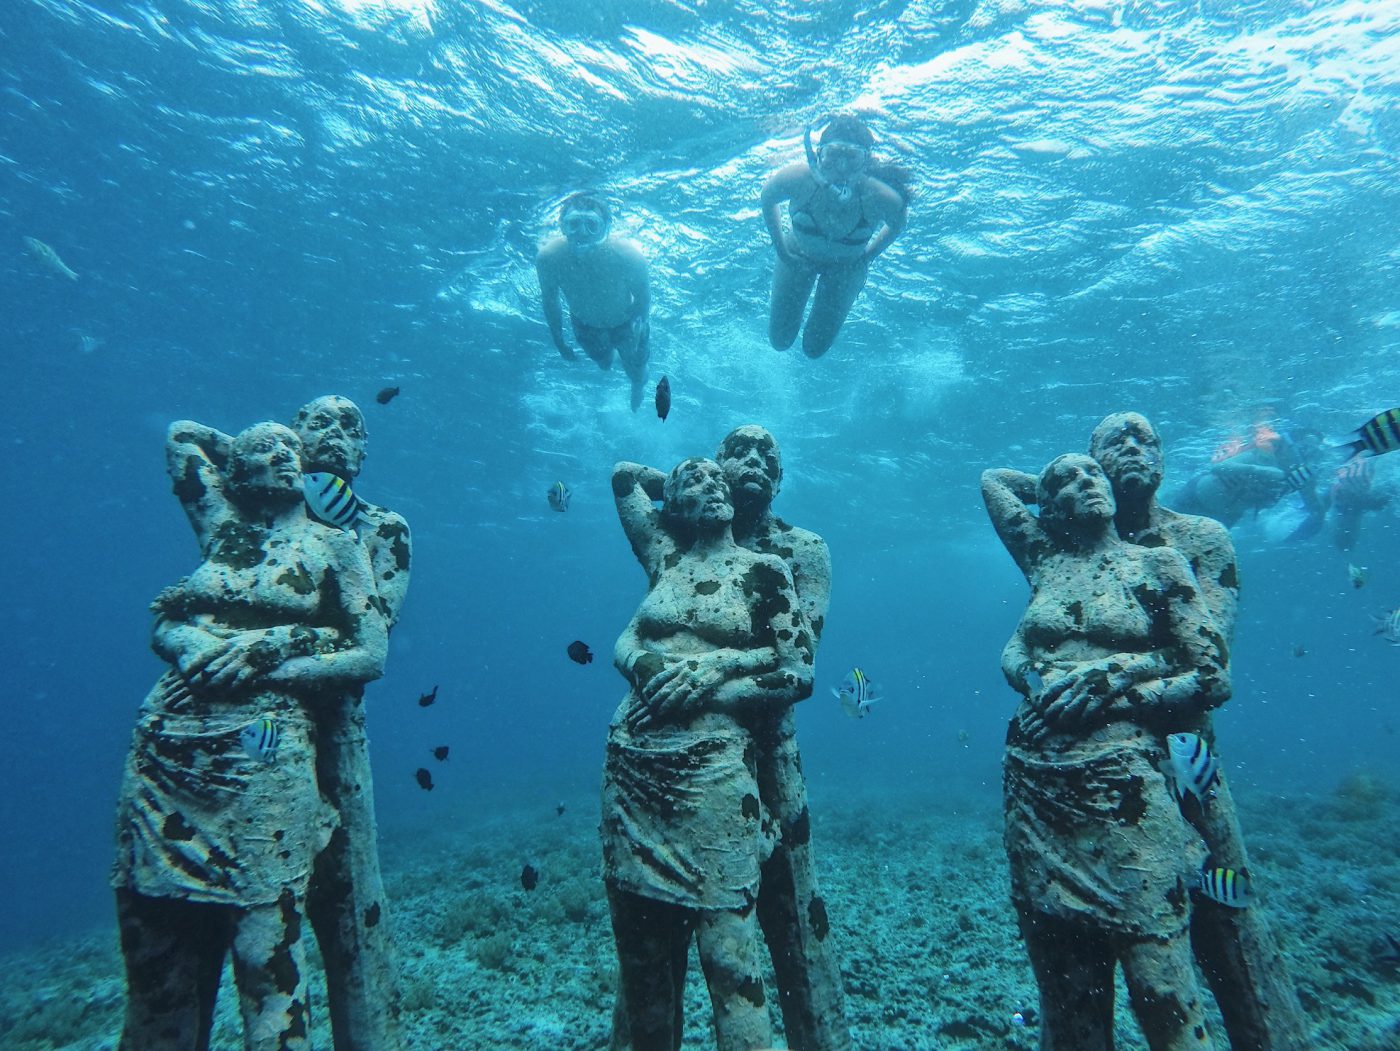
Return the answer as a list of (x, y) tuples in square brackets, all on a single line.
[(917, 895)]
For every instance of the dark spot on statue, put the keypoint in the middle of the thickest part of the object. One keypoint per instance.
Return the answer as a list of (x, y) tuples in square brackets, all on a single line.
[(237, 545), (751, 989), (706, 587), (1132, 801), (280, 835), (816, 918), (1230, 577), (693, 665), (1076, 612), (1177, 897), (1199, 1032), (190, 487), (176, 828), (298, 579), (374, 602), (622, 483), (280, 965), (672, 560), (1150, 539), (749, 807), (817, 624), (765, 586), (785, 635), (372, 916), (396, 530), (799, 832)]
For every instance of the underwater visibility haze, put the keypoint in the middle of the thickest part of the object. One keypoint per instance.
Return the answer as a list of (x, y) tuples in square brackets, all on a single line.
[(1187, 210)]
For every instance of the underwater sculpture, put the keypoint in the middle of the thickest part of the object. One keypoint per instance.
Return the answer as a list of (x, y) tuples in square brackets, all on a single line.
[(347, 905), (221, 816), (719, 644), (1101, 858), (791, 910), (1235, 948)]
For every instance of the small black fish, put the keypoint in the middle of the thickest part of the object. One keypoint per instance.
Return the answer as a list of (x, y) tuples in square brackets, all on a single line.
[(663, 398), (579, 653), (529, 877), (387, 395), (428, 698), (425, 780), (1299, 650), (559, 810), (440, 752)]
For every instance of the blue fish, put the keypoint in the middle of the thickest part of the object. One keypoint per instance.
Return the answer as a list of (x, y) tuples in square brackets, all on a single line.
[(1191, 767), (330, 499), (260, 739), (1227, 886), (857, 694), (558, 496)]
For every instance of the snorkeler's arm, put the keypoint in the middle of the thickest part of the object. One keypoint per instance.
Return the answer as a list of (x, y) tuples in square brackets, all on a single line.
[(354, 604), (1006, 494), (546, 268), (196, 457), (894, 213), (781, 186), (638, 283), (635, 486)]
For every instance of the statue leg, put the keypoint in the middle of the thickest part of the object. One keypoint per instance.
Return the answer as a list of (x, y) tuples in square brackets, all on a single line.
[(174, 954), (1073, 964), (1236, 949), (653, 941), (792, 912), (731, 955), (269, 968), (1168, 1003), (345, 902)]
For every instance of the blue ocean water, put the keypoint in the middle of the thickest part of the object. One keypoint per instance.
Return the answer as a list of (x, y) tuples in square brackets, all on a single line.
[(1187, 209)]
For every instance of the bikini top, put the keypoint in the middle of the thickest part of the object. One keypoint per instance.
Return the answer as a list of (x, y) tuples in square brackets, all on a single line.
[(804, 222)]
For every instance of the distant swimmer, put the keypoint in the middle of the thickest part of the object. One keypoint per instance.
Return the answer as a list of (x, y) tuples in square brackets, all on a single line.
[(843, 211), (604, 281), (49, 258)]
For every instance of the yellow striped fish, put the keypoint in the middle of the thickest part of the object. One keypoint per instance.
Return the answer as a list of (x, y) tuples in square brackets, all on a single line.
[(331, 500), (1380, 434), (1227, 886), (260, 739), (857, 694), (558, 496)]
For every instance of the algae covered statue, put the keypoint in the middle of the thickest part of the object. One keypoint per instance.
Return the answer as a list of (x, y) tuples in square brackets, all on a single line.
[(791, 910), (347, 905), (719, 642), (1121, 651), (221, 816), (1234, 947)]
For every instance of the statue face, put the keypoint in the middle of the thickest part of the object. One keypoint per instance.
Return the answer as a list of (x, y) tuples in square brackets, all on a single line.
[(266, 459), (332, 432), (1130, 453), (1075, 489), (752, 465), (696, 493)]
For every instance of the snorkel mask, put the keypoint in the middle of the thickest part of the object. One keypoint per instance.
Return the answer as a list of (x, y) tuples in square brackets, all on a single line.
[(837, 164), (584, 220)]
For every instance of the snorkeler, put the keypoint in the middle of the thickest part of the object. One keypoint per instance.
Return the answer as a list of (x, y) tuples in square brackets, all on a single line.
[(843, 211), (604, 281)]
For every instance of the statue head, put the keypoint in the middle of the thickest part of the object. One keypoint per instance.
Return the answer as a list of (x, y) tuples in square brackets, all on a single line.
[(696, 495), (1129, 450), (1074, 495), (333, 438), (752, 465), (264, 465)]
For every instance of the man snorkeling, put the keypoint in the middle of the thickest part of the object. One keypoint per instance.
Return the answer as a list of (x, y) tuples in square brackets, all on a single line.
[(604, 281), (843, 211)]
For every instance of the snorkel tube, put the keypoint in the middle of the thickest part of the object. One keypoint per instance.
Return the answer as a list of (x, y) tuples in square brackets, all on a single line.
[(841, 190)]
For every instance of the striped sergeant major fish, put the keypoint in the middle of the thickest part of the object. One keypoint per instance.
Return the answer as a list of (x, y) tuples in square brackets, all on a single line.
[(49, 258), (1380, 434), (1191, 767), (260, 739), (1227, 887), (558, 496), (1299, 476), (331, 500), (857, 694)]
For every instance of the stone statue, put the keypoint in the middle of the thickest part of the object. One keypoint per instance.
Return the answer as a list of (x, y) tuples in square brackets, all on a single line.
[(221, 817), (684, 831), (1234, 947), (791, 911), (347, 905), (1102, 860)]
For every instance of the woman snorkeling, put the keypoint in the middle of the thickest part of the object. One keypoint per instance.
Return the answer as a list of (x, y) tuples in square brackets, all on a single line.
[(843, 211)]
